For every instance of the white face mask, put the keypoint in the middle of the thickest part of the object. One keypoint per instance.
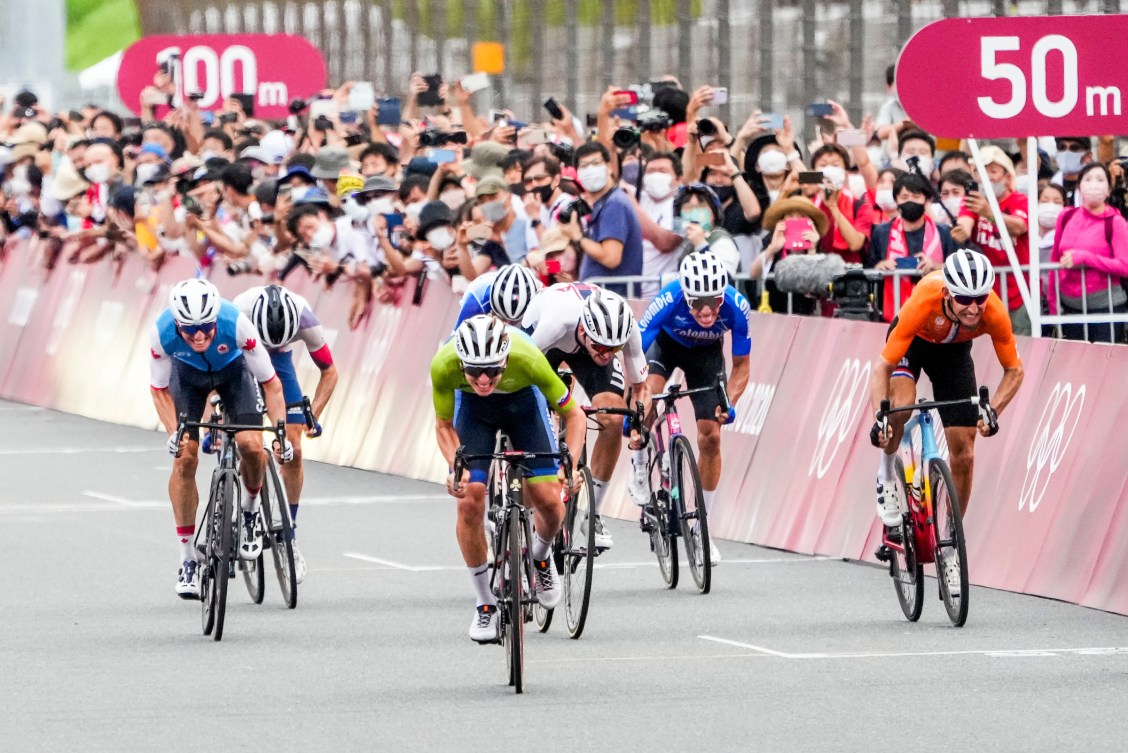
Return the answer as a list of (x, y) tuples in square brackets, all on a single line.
[(857, 184), (999, 188), (358, 213), (493, 211), (885, 199), (382, 205), (260, 174), (413, 210), (440, 238), (658, 185), (771, 162), (925, 164), (836, 175), (144, 172), (1048, 213), (954, 204), (1069, 162), (1094, 192), (876, 155), (939, 216), (97, 173), (593, 178), (453, 199), (323, 238)]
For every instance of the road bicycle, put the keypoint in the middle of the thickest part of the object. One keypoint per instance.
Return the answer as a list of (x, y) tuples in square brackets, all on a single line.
[(575, 549), (677, 505), (512, 578), (217, 538), (931, 529)]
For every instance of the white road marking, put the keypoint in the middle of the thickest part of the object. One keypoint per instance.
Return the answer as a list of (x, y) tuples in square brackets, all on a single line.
[(993, 653), (78, 450), (124, 501), (378, 499), (400, 565)]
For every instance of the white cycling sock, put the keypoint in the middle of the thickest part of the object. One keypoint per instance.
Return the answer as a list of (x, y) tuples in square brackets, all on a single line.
[(481, 577), (888, 468), (598, 489), (709, 497), (541, 548), (185, 537), (250, 500), (638, 457)]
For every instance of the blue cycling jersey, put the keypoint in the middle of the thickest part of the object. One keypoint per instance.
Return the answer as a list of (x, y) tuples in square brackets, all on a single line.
[(224, 349), (669, 313), (476, 299)]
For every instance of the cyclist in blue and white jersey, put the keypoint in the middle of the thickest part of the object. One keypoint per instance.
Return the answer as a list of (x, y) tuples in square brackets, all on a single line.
[(282, 319), (505, 293), (200, 344), (685, 327)]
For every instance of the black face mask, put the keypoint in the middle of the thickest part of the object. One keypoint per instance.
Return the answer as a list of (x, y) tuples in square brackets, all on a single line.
[(911, 211), (724, 193), (545, 192), (517, 189)]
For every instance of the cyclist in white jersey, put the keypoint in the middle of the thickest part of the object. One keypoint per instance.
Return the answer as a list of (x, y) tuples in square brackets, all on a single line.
[(586, 327)]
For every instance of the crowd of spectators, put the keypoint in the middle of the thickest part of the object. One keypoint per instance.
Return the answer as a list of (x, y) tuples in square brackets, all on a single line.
[(444, 193)]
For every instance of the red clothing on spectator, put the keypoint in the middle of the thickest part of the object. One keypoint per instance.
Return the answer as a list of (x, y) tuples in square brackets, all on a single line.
[(987, 236), (862, 220)]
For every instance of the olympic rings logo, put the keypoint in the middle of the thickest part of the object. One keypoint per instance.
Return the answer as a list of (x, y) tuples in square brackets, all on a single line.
[(1056, 426), (839, 418)]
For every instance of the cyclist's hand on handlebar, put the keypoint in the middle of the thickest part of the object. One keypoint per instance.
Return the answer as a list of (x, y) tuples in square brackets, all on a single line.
[(175, 444), (725, 418), (988, 421), (881, 433), (637, 441), (460, 492), (285, 453), (315, 432)]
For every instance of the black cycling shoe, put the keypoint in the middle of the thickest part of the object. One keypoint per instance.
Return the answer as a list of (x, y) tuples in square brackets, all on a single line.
[(893, 534)]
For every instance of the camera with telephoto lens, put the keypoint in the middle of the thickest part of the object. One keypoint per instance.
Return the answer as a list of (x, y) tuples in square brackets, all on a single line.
[(297, 105), (579, 208), (322, 123), (706, 127), (626, 138), (654, 120), (855, 294), (434, 137), (240, 267)]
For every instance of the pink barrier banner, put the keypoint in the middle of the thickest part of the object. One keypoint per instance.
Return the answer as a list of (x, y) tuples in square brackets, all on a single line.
[(1047, 515)]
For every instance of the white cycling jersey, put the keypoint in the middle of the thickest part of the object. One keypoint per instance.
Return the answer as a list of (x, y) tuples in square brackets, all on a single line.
[(310, 330), (553, 319)]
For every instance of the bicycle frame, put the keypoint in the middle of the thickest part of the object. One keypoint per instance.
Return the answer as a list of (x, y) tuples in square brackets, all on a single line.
[(917, 481)]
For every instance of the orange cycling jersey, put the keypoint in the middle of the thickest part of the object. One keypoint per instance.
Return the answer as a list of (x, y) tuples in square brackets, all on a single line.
[(923, 316)]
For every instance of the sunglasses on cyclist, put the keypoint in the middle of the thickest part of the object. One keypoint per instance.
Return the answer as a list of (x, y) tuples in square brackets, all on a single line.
[(603, 350), (191, 329), (493, 372), (967, 300), (711, 302)]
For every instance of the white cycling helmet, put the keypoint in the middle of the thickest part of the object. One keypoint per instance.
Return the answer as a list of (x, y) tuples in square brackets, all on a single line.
[(607, 318), (512, 291), (481, 341), (968, 272), (703, 275), (194, 301), (276, 316)]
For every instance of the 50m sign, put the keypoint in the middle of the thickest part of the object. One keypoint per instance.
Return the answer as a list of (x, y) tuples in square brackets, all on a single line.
[(1013, 77)]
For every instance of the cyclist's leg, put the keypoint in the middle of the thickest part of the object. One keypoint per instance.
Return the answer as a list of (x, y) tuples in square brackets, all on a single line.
[(606, 385), (656, 356), (476, 431), (243, 400), (543, 487), (293, 473), (190, 397), (952, 372)]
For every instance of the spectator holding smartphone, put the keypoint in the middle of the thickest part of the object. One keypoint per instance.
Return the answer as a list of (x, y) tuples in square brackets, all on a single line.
[(612, 242), (851, 217), (796, 226)]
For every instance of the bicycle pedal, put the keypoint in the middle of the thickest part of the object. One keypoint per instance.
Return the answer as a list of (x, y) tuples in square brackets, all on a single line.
[(883, 554), (893, 534)]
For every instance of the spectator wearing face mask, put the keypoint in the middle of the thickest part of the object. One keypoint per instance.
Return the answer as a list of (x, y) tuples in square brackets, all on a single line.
[(434, 247), (697, 208), (850, 217), (494, 200), (920, 145), (913, 240), (1093, 237), (977, 223), (661, 177), (544, 196), (1051, 202), (612, 241), (1073, 153)]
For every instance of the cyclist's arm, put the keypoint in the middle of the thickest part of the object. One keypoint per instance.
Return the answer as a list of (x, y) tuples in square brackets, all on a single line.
[(637, 370), (442, 397), (575, 429), (908, 322), (160, 373), (314, 338), (1002, 338), (879, 382), (447, 438), (738, 379), (657, 313)]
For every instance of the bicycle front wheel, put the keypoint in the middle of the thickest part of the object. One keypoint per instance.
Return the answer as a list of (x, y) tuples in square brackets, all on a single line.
[(222, 543), (515, 564), (951, 550), (579, 555), (280, 532), (690, 509), (907, 572)]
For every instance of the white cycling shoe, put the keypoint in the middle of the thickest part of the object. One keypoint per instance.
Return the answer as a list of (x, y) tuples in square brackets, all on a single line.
[(602, 535), (250, 535), (952, 577), (483, 628), (890, 507), (188, 580), (639, 485), (299, 562), (548, 583)]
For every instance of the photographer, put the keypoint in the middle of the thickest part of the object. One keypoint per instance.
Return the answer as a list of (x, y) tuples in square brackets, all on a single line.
[(612, 242)]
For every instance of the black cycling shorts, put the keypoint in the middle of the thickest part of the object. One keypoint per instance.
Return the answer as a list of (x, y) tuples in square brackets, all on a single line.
[(701, 366), (522, 415), (952, 372), (242, 400), (595, 379)]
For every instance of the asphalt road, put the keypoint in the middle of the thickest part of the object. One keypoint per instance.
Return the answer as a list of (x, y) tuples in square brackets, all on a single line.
[(788, 653)]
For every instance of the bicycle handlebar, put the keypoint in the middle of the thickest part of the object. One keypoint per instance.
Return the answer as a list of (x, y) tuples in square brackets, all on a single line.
[(307, 411), (184, 425), (462, 459), (982, 401), (675, 391)]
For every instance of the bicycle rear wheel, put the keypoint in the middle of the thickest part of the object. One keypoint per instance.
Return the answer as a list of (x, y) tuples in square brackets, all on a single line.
[(690, 509), (951, 550), (280, 532), (579, 555), (254, 578), (907, 572), (223, 547), (515, 565)]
